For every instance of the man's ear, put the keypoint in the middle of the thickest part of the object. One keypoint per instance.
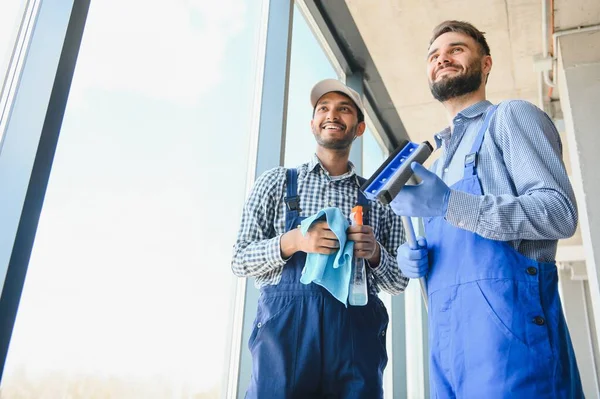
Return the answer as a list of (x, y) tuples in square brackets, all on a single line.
[(312, 123), (487, 64), (360, 128)]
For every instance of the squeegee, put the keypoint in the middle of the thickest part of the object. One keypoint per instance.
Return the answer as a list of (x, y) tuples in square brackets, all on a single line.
[(390, 178)]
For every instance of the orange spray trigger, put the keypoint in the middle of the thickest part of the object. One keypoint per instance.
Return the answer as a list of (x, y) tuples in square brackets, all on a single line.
[(357, 215)]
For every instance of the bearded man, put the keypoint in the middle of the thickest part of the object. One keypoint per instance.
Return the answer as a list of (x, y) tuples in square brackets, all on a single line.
[(494, 206)]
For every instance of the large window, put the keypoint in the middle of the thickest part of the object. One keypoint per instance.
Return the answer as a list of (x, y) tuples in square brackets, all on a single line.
[(129, 285)]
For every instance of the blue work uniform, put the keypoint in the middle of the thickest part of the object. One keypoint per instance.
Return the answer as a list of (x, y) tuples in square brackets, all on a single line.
[(496, 326), (307, 344)]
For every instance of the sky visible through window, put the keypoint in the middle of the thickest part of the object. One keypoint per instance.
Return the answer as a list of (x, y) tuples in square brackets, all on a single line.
[(129, 285)]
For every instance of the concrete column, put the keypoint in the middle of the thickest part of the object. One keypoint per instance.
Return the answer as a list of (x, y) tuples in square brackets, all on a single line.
[(579, 85)]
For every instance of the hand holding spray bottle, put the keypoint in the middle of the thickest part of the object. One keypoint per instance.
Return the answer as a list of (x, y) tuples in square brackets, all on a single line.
[(357, 294)]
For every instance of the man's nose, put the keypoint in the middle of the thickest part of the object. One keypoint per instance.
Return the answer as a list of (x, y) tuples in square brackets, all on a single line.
[(332, 115), (443, 59)]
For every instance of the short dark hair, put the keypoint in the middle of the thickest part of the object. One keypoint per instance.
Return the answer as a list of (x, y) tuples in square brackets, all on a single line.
[(359, 113), (464, 28)]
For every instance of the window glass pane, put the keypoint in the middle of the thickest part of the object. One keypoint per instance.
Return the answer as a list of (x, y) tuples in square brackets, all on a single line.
[(11, 15), (309, 64), (129, 284), (373, 153)]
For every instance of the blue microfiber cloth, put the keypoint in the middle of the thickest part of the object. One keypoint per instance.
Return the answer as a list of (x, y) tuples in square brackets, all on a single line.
[(330, 271)]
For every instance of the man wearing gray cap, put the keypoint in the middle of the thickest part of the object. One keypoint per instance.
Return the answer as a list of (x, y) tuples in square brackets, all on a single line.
[(306, 343)]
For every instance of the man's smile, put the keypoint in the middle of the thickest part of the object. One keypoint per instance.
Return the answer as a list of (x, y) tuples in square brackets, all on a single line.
[(333, 126)]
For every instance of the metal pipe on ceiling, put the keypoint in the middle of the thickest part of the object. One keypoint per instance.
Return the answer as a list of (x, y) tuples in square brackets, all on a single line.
[(555, 35), (545, 42)]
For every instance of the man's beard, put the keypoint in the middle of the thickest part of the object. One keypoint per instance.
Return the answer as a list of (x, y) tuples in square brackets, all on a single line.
[(336, 144), (451, 87)]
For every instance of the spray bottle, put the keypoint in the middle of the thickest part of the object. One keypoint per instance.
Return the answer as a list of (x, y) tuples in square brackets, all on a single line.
[(357, 294)]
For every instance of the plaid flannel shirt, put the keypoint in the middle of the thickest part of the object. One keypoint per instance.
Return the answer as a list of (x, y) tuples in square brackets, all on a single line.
[(257, 250)]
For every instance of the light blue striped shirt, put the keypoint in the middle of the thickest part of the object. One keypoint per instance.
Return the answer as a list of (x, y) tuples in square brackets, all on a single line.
[(527, 197)]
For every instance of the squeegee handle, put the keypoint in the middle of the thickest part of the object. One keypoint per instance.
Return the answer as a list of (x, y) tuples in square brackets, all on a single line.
[(410, 233), (412, 243)]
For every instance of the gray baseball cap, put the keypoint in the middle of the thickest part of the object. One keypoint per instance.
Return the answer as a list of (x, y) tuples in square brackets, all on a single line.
[(328, 85)]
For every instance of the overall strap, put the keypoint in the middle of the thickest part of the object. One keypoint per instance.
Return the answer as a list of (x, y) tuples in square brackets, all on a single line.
[(363, 201), (292, 201), (471, 158)]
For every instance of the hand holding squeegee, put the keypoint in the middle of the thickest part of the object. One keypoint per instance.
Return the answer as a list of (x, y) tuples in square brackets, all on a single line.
[(391, 177)]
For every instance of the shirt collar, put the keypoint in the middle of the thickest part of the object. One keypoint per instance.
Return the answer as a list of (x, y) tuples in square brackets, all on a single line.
[(474, 110), (470, 112), (440, 136), (314, 164)]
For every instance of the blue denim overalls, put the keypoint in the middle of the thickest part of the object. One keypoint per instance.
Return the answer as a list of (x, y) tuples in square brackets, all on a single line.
[(496, 327), (307, 344)]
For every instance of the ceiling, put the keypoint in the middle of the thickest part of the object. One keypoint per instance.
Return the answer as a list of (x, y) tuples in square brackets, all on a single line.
[(397, 34), (392, 39)]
